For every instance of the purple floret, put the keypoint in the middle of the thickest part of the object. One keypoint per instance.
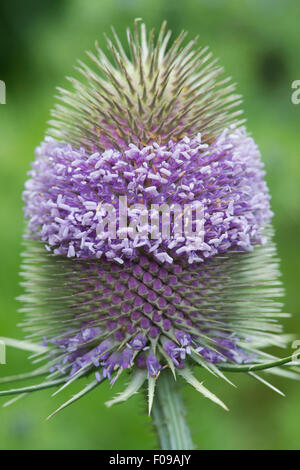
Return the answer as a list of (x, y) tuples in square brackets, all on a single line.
[(67, 188)]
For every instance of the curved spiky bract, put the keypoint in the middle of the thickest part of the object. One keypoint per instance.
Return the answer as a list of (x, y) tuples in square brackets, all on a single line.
[(101, 318), (227, 300), (154, 95)]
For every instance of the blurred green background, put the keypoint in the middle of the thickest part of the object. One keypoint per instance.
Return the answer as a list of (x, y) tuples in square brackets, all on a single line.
[(258, 42)]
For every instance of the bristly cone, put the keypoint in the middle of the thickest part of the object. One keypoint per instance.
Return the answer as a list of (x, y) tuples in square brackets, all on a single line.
[(154, 96), (158, 127)]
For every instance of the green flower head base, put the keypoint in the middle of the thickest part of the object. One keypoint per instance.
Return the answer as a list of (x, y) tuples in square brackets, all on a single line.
[(159, 127)]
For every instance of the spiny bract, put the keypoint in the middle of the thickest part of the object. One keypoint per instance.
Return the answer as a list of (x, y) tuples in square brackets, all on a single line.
[(158, 127)]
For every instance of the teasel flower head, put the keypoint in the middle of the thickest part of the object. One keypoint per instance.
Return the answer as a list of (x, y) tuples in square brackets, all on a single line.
[(159, 126)]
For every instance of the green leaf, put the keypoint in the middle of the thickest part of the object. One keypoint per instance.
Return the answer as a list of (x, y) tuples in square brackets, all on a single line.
[(168, 360), (76, 397), (212, 368), (32, 388), (265, 382), (191, 379), (25, 345), (13, 400), (137, 380), (29, 375), (151, 389), (288, 374)]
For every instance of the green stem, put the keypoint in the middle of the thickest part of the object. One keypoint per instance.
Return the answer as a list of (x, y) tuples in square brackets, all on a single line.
[(267, 365), (169, 415)]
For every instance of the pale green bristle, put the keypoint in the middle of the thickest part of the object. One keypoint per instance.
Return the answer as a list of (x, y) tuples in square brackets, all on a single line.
[(156, 94)]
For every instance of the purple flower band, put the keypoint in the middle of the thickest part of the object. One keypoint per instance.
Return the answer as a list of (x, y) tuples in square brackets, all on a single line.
[(67, 188)]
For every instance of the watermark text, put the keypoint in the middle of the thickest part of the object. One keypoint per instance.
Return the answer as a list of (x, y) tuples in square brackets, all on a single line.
[(2, 92), (295, 97), (2, 353)]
